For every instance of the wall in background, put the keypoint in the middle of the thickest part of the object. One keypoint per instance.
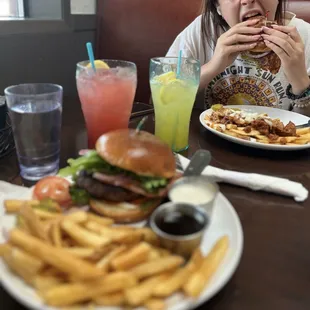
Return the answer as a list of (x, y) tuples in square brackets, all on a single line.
[(83, 6), (44, 9), (44, 57)]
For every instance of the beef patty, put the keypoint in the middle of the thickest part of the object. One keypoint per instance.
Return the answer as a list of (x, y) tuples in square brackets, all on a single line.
[(104, 191)]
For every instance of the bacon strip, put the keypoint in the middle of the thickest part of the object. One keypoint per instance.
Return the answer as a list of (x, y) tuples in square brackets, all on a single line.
[(129, 184)]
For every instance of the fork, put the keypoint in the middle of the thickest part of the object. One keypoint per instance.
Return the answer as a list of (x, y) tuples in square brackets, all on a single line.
[(303, 125), (178, 162)]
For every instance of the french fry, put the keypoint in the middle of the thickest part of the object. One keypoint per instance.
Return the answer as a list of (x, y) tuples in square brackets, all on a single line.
[(22, 224), (33, 222), (103, 230), (149, 236), (157, 266), (18, 269), (45, 215), (302, 131), (56, 257), (43, 283), (196, 260), (230, 133), (116, 234), (155, 304), (123, 228), (179, 278), (56, 235), (29, 262), (129, 238), (153, 254), (100, 253), (115, 299), (52, 272), (77, 217), (83, 236), (14, 205), (163, 252), (306, 136), (140, 293), (231, 126), (199, 279), (138, 254), (104, 263), (80, 252), (4, 249), (302, 141), (105, 221), (240, 131), (172, 284), (70, 294)]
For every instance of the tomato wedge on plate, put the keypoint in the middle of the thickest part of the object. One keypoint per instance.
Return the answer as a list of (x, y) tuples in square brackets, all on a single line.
[(55, 188)]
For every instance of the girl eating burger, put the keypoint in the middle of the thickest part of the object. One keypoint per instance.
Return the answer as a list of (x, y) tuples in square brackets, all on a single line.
[(251, 52)]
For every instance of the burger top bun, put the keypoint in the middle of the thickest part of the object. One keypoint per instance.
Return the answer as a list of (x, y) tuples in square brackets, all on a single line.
[(139, 152)]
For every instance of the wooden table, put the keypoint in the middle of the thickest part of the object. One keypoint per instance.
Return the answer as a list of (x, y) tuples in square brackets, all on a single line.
[(274, 269)]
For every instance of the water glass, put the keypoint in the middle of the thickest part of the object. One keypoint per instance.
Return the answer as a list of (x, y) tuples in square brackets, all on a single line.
[(35, 111), (173, 95)]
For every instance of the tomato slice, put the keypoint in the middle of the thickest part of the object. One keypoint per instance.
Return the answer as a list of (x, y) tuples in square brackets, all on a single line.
[(55, 188)]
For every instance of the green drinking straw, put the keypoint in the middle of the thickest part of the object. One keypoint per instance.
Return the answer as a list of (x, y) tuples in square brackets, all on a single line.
[(141, 123), (91, 55), (179, 64)]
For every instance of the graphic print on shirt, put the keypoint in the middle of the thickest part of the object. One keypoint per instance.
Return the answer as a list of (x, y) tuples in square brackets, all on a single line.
[(244, 83)]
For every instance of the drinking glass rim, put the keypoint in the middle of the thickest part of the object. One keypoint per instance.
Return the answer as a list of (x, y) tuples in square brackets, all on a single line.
[(174, 57), (8, 90), (80, 63)]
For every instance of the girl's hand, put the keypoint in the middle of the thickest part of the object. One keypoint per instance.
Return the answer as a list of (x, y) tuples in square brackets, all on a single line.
[(286, 42), (241, 37)]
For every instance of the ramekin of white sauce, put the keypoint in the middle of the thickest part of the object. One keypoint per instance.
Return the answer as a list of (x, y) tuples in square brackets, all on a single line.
[(197, 190)]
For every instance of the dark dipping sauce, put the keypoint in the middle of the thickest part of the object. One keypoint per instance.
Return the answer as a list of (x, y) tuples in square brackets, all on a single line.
[(179, 223)]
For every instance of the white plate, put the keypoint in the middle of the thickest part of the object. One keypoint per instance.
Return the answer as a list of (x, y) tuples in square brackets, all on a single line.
[(283, 115), (225, 221)]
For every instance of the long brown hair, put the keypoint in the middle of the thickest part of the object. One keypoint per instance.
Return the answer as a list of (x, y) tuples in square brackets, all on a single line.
[(211, 19)]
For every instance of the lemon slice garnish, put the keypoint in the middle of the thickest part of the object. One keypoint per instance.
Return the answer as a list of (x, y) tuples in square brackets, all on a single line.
[(99, 64), (166, 77), (174, 90), (217, 107)]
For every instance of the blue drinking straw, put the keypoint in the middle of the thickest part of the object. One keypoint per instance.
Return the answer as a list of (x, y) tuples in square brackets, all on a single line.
[(91, 55), (179, 64)]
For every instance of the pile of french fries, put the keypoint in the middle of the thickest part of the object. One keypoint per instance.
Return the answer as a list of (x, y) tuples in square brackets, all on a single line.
[(79, 258), (302, 137)]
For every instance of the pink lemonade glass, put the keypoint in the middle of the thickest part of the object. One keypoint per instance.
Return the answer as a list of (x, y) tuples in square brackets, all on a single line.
[(106, 95)]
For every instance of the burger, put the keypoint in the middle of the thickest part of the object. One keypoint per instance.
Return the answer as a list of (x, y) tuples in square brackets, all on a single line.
[(262, 55), (125, 178), (262, 21)]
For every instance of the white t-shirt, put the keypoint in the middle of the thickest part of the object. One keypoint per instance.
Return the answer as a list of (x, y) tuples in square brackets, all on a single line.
[(244, 81)]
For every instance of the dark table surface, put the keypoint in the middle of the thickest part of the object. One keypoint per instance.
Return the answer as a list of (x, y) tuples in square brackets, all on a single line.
[(274, 269)]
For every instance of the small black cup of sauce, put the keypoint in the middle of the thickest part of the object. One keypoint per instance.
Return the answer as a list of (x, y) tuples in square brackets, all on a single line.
[(179, 226)]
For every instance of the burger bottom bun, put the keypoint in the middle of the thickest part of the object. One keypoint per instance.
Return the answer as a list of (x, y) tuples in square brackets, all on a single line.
[(125, 212), (260, 48)]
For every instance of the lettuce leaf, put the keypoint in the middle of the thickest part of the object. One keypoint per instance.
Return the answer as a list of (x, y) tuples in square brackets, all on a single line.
[(92, 162), (79, 196)]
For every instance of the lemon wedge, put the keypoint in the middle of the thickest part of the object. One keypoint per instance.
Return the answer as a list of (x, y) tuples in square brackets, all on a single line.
[(217, 107), (166, 77), (174, 90), (99, 64)]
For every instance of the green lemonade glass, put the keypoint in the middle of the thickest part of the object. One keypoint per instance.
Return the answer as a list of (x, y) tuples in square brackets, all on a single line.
[(173, 97)]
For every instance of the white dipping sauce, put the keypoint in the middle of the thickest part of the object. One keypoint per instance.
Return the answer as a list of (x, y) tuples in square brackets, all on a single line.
[(192, 193)]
